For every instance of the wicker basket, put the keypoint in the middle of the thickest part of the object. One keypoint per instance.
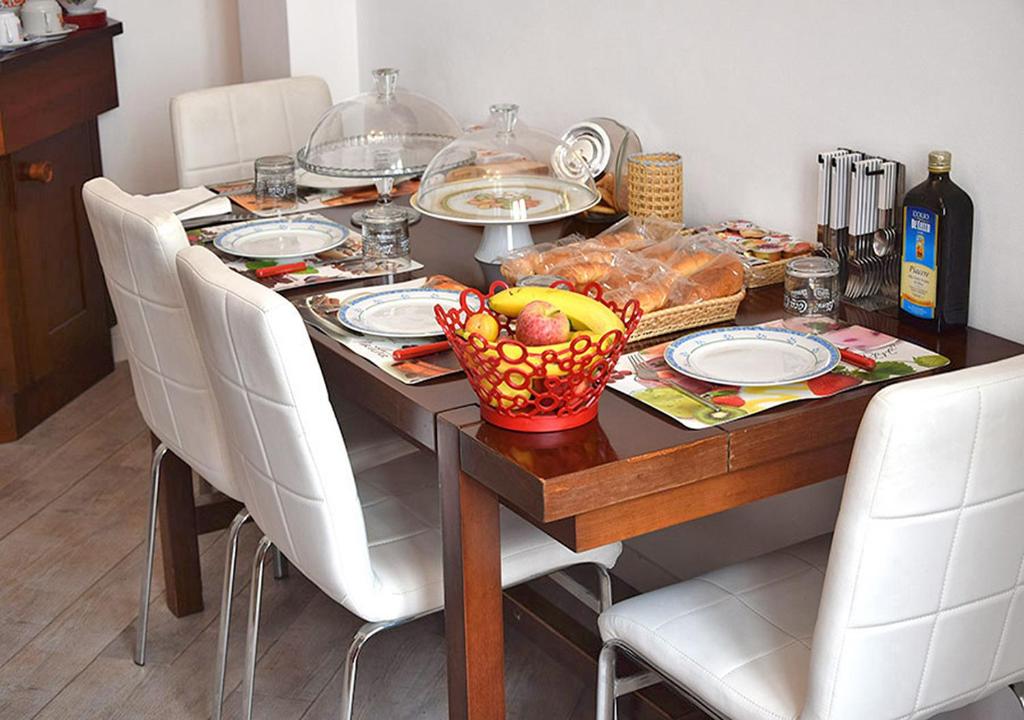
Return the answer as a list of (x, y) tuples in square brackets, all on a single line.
[(708, 312), (767, 274), (656, 185)]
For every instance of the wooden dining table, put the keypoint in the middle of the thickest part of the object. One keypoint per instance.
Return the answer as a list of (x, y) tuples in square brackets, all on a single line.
[(631, 471)]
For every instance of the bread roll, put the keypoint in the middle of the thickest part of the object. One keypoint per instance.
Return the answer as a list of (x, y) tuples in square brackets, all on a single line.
[(720, 278), (581, 273), (514, 268)]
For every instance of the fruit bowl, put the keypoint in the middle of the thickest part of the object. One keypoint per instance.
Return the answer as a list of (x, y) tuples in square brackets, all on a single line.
[(539, 389)]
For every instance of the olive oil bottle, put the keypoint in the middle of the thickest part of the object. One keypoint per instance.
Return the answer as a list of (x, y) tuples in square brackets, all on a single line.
[(938, 221)]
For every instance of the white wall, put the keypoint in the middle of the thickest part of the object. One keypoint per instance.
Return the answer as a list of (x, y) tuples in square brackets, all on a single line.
[(162, 52), (282, 38), (748, 92), (263, 31)]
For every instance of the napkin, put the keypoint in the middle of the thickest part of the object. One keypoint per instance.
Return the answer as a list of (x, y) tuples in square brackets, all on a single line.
[(183, 198)]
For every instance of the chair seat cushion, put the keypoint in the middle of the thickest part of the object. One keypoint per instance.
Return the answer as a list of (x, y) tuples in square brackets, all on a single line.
[(401, 507), (737, 638)]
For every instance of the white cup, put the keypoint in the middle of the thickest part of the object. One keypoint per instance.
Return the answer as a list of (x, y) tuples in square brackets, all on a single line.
[(42, 17), (10, 29)]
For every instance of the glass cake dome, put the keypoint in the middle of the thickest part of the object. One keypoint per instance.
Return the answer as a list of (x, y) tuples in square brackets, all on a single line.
[(505, 176), (383, 135)]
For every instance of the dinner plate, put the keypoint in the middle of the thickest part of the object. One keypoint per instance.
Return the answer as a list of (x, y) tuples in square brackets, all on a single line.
[(407, 313), (281, 239), (305, 178), (751, 356)]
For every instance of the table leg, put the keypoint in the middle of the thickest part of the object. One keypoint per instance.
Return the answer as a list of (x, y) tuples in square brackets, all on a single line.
[(472, 588), (179, 541)]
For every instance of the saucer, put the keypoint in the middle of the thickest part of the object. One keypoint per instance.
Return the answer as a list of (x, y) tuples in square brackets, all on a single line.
[(30, 40), (68, 29)]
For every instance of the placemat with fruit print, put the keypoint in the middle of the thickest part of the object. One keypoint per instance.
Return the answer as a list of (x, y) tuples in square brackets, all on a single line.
[(321, 311), (342, 263), (894, 358)]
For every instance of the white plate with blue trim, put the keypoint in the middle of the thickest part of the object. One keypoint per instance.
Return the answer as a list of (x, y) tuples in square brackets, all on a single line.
[(752, 356), (281, 239), (405, 313)]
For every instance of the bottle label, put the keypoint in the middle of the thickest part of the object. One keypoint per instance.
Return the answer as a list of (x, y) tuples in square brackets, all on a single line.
[(919, 280)]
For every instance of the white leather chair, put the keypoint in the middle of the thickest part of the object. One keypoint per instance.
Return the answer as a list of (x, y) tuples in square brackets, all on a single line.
[(219, 132), (917, 610), (137, 243), (373, 544)]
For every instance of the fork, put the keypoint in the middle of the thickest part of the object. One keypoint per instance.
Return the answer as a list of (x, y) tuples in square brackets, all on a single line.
[(643, 371)]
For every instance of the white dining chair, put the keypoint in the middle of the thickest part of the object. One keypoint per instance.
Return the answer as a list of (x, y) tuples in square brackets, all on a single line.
[(219, 132), (372, 542), (919, 607), (137, 242)]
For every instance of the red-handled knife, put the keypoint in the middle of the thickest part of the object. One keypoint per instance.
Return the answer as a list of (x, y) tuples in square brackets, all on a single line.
[(861, 361), (266, 272), (418, 351)]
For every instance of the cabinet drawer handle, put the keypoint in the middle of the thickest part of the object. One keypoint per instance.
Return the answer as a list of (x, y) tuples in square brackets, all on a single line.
[(41, 172)]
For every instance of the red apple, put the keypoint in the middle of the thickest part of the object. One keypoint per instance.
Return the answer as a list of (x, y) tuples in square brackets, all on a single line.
[(541, 323)]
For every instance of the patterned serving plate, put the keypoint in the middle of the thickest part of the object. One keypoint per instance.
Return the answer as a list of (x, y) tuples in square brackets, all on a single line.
[(525, 199), (752, 356)]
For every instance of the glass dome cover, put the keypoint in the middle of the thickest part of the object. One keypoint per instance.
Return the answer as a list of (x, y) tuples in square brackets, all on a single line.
[(384, 133), (506, 173)]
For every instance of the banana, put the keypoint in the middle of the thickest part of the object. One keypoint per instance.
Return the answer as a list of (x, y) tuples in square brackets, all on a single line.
[(583, 312)]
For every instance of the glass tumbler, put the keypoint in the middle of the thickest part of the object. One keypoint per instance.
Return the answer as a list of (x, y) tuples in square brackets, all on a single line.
[(812, 287), (274, 184), (385, 235)]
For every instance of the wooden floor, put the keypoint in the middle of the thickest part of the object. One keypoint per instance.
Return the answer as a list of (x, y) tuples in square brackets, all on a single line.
[(72, 514)]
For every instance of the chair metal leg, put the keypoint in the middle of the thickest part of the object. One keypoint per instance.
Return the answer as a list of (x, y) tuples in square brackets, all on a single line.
[(252, 630), (226, 597), (363, 634), (280, 564), (604, 580), (1018, 690), (147, 575), (606, 683)]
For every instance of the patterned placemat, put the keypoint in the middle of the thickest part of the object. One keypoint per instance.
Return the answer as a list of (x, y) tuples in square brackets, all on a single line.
[(342, 263), (893, 357), (321, 311)]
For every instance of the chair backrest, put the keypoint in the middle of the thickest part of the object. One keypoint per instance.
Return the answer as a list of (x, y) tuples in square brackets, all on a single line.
[(923, 605), (137, 243), (288, 451), (219, 132)]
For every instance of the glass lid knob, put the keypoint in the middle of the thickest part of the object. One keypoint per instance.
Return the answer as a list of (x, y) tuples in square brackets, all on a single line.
[(385, 80), (505, 116)]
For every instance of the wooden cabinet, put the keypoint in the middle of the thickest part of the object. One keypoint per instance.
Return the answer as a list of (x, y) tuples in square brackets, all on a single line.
[(54, 313)]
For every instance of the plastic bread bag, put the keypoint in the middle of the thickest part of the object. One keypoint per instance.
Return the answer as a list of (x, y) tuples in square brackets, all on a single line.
[(651, 292), (520, 263), (633, 233), (628, 267), (722, 277)]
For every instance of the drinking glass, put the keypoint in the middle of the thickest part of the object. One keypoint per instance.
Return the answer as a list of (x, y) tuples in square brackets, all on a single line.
[(274, 184), (385, 236), (812, 287)]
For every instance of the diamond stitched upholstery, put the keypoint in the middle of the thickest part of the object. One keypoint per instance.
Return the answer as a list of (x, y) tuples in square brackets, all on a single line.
[(738, 637), (922, 609), (376, 550), (219, 132), (136, 245)]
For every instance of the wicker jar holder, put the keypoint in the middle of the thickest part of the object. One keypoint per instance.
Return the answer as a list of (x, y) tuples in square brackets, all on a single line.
[(656, 185)]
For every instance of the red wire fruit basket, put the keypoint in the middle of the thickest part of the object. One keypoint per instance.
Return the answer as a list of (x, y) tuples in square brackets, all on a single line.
[(529, 391)]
